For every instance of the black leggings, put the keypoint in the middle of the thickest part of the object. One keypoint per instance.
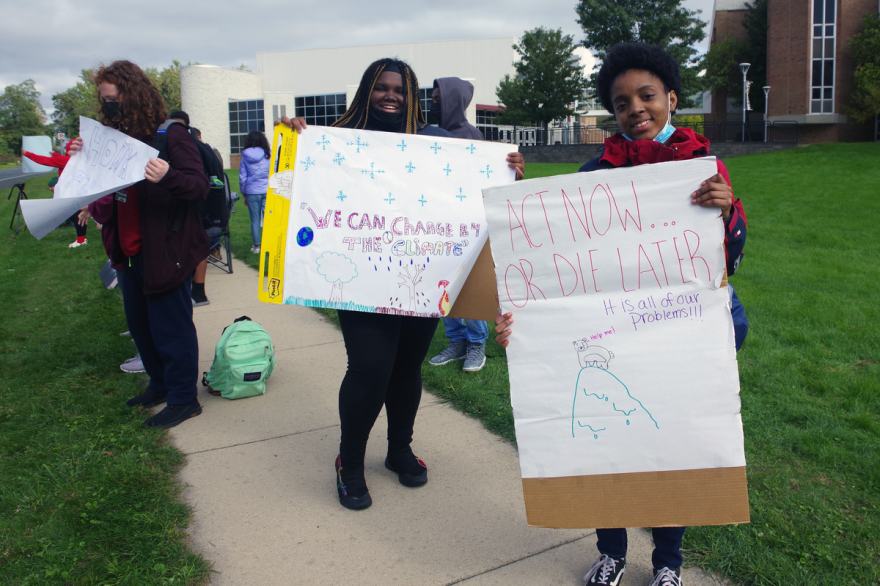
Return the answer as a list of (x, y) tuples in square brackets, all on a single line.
[(385, 354), (74, 219)]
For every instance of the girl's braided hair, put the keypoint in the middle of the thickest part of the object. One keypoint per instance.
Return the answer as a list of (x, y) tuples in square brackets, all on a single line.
[(358, 113)]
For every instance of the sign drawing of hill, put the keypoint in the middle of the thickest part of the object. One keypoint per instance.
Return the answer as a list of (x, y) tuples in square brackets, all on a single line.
[(602, 401)]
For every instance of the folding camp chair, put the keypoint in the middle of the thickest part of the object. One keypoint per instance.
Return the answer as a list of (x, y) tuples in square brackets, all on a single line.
[(223, 236)]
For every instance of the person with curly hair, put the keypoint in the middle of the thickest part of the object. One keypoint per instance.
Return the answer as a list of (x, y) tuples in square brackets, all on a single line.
[(640, 85), (385, 352), (154, 231), (253, 179)]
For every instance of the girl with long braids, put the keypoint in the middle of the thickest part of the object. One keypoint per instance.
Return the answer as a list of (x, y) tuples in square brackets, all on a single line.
[(385, 352)]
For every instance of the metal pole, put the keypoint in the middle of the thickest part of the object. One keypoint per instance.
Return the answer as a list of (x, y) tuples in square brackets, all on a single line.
[(745, 68), (766, 109)]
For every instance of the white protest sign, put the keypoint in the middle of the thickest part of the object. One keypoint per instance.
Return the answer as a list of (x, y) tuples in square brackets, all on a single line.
[(108, 162), (622, 358), (38, 145), (383, 222)]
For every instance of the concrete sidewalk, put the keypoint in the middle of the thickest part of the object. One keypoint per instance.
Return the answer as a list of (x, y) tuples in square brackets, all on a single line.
[(260, 480)]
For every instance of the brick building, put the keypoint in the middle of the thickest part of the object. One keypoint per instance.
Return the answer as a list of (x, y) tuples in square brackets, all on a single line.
[(809, 67)]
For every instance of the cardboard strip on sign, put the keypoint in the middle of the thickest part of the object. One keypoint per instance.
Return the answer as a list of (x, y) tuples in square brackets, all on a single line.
[(709, 496), (477, 299)]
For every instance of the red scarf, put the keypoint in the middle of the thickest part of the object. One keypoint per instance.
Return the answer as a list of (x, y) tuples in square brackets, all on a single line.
[(684, 144)]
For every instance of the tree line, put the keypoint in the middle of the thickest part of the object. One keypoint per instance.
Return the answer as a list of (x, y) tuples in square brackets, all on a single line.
[(21, 113), (549, 78)]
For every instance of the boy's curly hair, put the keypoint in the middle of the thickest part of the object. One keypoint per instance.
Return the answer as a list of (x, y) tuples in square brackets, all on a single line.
[(143, 110), (626, 56)]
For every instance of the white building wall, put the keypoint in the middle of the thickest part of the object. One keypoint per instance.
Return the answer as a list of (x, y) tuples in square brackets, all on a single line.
[(205, 93), (328, 71)]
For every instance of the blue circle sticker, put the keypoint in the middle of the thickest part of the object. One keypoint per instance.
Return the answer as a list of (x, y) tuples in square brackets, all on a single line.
[(305, 236)]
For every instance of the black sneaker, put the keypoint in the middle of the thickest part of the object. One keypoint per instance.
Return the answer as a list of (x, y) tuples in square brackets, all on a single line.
[(147, 399), (173, 415), (351, 486), (410, 469), (606, 571), (666, 577)]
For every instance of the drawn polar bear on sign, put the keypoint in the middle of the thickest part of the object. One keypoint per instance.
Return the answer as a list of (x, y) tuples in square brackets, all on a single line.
[(592, 355), (601, 400)]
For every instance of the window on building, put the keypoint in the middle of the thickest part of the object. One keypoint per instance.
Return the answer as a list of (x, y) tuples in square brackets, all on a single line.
[(244, 116), (822, 74), (425, 99), (486, 123), (320, 110)]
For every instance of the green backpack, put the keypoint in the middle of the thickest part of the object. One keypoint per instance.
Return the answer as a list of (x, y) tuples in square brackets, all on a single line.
[(243, 359)]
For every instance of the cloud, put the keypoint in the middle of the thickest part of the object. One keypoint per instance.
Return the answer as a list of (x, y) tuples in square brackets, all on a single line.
[(50, 41)]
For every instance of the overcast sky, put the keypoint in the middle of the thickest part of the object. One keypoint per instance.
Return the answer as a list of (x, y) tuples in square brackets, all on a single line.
[(50, 41)]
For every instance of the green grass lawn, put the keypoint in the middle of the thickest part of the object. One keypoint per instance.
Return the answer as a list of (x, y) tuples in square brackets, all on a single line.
[(810, 371), (87, 494)]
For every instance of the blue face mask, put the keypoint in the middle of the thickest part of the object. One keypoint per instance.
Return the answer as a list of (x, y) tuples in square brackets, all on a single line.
[(667, 131)]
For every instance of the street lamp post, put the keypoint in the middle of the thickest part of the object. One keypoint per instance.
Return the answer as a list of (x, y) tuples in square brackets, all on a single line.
[(745, 68), (766, 109)]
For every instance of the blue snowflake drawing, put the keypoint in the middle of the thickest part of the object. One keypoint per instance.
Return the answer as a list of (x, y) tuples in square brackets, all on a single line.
[(358, 144), (341, 196), (487, 172), (338, 159), (308, 163), (402, 145), (461, 195), (323, 142), (389, 199), (423, 201), (372, 171), (410, 167), (447, 169), (470, 148), (436, 148)]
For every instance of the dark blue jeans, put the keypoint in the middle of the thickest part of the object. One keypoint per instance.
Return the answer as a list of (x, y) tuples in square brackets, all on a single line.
[(667, 545), (163, 330)]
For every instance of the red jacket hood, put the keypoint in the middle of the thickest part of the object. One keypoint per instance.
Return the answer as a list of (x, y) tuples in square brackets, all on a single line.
[(684, 144)]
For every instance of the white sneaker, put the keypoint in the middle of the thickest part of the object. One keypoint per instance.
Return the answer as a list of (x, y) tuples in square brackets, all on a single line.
[(76, 244), (133, 365), (255, 249)]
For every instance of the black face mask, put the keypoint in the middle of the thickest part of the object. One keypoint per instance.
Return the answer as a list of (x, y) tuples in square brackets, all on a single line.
[(381, 120), (434, 114), (114, 110)]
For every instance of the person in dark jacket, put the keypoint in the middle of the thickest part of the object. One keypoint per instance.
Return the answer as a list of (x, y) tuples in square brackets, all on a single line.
[(639, 84), (385, 352), (155, 234), (467, 338)]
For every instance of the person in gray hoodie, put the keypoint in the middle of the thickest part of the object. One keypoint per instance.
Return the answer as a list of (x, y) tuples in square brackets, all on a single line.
[(253, 180), (467, 338)]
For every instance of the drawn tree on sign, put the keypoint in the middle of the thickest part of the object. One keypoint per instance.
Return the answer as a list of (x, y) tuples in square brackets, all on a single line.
[(337, 269), (411, 281)]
